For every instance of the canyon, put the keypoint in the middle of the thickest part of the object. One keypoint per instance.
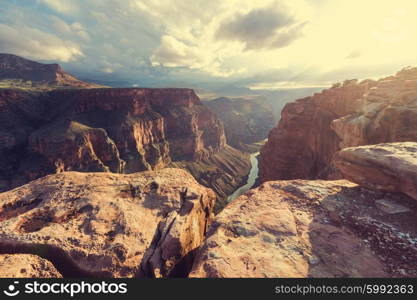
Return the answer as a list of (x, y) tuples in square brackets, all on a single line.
[(119, 130), (321, 228), (313, 129), (134, 182)]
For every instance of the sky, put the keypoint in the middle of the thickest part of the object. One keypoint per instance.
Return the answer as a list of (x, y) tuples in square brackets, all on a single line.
[(253, 45)]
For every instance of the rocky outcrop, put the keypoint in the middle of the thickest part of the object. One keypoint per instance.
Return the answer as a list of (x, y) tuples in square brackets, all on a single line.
[(387, 113), (108, 225), (108, 130), (313, 129), (13, 67), (302, 145), (247, 121), (387, 167), (26, 266), (316, 228)]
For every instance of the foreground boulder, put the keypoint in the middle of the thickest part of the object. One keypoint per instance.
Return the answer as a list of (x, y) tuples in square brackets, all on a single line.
[(26, 266), (388, 167), (108, 225), (311, 229)]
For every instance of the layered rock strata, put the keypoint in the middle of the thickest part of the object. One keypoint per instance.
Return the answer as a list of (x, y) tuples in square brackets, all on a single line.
[(110, 130), (313, 129)]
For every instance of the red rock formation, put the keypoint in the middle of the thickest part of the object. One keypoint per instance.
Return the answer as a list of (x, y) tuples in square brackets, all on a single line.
[(313, 129), (316, 228), (149, 127), (104, 224), (116, 130), (387, 114), (302, 144), (26, 266), (124, 130)]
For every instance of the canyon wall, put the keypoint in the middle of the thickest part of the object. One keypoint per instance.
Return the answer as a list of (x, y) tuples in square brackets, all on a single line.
[(313, 129), (246, 121), (106, 130), (322, 228)]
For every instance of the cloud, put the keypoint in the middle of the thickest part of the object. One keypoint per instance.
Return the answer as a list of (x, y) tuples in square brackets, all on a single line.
[(61, 6), (173, 53), (264, 28), (217, 42), (210, 36), (36, 44), (75, 29)]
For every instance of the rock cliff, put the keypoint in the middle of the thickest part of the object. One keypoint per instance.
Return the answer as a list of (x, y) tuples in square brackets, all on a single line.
[(313, 129), (109, 130), (319, 228), (246, 121), (108, 225)]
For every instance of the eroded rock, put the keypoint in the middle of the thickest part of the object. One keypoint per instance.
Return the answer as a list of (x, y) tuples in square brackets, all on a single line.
[(26, 266), (108, 225), (310, 229), (389, 167), (313, 129)]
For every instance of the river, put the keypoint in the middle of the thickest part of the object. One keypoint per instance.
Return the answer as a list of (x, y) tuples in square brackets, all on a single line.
[(253, 175)]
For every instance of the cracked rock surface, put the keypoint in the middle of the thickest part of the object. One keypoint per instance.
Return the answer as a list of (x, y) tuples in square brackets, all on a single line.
[(317, 228), (26, 266), (107, 225)]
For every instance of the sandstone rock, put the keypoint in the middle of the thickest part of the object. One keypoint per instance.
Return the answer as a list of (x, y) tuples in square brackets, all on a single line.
[(302, 144), (313, 129), (116, 130), (26, 266), (108, 225), (388, 167), (309, 229)]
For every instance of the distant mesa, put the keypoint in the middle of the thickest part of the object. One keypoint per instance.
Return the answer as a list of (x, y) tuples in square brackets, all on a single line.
[(18, 72)]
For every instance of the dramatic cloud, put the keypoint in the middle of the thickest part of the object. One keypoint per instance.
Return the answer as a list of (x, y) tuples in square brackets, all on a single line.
[(200, 35), (173, 53), (33, 43), (265, 28), (258, 44)]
